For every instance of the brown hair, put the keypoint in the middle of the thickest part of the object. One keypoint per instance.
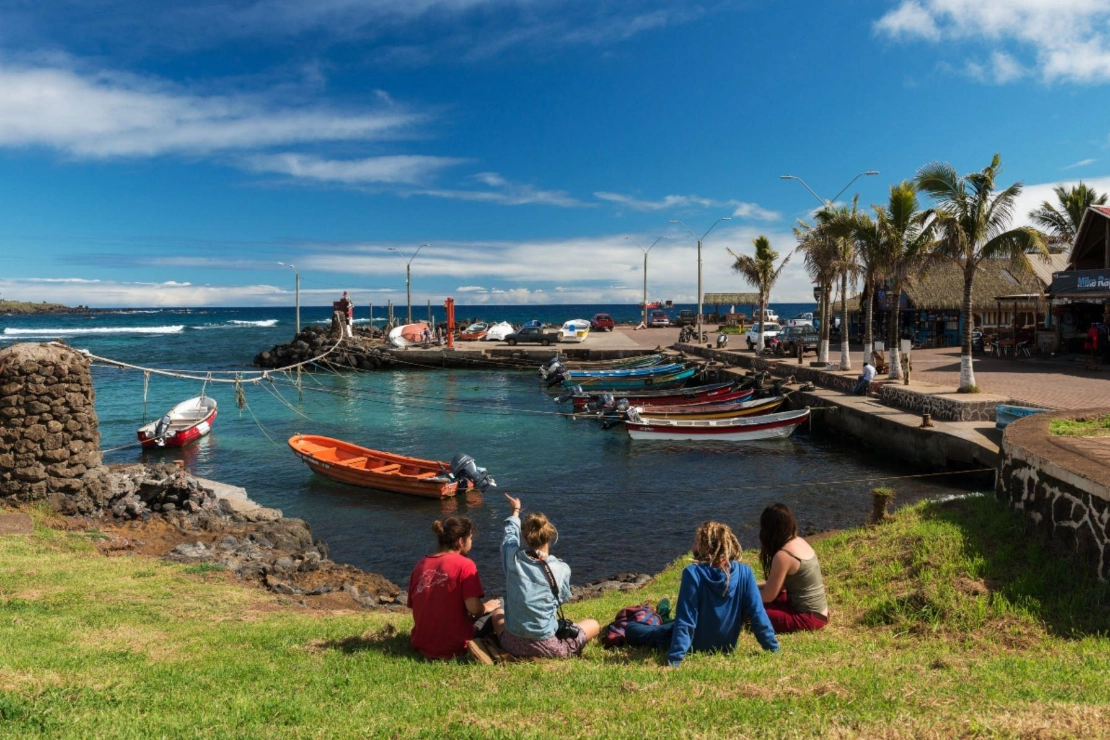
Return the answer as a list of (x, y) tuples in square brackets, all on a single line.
[(777, 526), (715, 544), (451, 530), (537, 531)]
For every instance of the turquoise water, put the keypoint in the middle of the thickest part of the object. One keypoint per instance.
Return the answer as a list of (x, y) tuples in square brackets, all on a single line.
[(619, 506)]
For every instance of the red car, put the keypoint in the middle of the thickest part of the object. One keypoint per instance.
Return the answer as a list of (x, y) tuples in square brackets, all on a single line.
[(602, 321)]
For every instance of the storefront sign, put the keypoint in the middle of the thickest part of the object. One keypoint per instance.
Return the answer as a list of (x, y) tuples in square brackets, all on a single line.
[(1080, 281)]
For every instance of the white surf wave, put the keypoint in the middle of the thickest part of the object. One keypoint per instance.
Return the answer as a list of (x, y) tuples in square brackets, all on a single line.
[(266, 322), (64, 332)]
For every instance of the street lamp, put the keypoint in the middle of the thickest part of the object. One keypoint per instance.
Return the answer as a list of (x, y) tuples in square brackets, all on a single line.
[(700, 238), (408, 275), (845, 358), (298, 284), (645, 251)]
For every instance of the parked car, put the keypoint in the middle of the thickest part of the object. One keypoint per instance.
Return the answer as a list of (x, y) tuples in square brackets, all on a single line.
[(686, 317), (602, 322), (802, 318), (532, 335), (658, 317), (800, 334), (770, 330), (769, 315)]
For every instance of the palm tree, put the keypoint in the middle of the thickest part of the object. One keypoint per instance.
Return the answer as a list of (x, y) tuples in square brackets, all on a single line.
[(819, 252), (1061, 224), (972, 222), (874, 257), (908, 237), (761, 272), (839, 223)]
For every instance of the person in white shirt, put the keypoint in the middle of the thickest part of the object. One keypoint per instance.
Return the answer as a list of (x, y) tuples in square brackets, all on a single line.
[(865, 378)]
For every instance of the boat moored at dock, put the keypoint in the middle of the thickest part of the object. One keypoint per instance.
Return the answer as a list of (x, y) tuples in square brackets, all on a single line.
[(186, 422), (739, 429)]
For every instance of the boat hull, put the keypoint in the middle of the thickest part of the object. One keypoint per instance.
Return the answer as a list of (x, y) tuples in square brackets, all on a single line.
[(775, 426), (628, 372), (673, 380), (366, 468), (665, 397), (726, 411), (183, 431)]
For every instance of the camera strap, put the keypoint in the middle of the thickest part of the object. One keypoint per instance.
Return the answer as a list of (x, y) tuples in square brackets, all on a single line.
[(550, 581)]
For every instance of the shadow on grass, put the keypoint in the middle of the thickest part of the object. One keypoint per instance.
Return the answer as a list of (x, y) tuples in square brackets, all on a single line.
[(387, 640), (1033, 574)]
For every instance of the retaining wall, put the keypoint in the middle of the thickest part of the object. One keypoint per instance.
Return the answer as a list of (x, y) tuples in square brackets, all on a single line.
[(1065, 493)]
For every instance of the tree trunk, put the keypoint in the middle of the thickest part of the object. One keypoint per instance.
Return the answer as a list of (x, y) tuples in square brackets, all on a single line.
[(823, 342), (895, 344), (967, 371), (762, 316), (868, 318), (845, 349)]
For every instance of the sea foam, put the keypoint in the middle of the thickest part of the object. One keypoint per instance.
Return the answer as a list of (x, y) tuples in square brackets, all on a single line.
[(67, 331)]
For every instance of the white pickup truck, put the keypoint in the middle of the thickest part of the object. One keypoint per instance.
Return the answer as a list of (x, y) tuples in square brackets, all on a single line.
[(769, 330)]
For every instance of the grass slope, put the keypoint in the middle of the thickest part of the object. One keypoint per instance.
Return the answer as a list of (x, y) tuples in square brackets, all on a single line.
[(948, 620)]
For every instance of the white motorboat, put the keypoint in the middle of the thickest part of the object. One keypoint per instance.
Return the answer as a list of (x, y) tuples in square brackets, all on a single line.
[(186, 422), (738, 429), (498, 332), (410, 335), (575, 330)]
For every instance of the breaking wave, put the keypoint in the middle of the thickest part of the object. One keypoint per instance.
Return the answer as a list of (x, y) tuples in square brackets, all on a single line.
[(266, 322), (63, 332)]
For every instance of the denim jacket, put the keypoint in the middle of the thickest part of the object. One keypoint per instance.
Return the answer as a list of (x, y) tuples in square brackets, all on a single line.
[(530, 607)]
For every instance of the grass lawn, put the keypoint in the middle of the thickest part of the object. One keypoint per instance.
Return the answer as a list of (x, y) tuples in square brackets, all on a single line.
[(1098, 427), (949, 620)]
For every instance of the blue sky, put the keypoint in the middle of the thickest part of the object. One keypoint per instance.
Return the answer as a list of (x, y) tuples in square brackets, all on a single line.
[(174, 156)]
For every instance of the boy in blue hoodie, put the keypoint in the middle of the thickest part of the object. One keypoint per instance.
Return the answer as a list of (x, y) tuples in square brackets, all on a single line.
[(717, 595)]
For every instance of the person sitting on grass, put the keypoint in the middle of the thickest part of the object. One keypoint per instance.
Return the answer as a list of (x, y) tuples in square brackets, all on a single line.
[(530, 625), (864, 381), (445, 593), (718, 594), (794, 592)]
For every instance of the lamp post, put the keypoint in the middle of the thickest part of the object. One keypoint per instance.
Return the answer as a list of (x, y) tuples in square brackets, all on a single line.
[(297, 281), (700, 238), (408, 275), (823, 351), (645, 251)]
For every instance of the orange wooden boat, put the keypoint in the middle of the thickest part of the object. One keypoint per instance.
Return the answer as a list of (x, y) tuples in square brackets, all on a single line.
[(359, 466)]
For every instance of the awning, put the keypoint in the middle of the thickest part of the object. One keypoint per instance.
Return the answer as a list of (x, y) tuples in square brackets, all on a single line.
[(1084, 284)]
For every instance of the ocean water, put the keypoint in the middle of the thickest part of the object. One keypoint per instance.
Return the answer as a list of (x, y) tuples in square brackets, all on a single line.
[(618, 505)]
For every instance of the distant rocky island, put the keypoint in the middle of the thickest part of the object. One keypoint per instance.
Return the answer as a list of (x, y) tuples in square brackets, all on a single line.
[(21, 308)]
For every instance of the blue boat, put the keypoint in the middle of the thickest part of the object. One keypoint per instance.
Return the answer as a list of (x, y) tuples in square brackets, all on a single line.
[(1005, 414), (626, 372)]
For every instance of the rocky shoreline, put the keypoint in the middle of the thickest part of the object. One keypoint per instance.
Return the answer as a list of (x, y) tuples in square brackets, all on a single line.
[(313, 341), (28, 308)]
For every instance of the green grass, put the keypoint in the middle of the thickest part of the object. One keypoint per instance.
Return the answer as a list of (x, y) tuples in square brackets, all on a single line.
[(948, 620), (1099, 427)]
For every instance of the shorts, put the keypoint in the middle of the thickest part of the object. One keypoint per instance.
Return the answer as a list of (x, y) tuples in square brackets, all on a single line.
[(550, 647)]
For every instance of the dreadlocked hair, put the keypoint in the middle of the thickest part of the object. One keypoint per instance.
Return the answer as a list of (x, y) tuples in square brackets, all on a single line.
[(715, 544)]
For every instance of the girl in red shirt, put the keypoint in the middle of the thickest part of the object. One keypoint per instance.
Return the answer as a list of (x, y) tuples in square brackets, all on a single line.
[(445, 593)]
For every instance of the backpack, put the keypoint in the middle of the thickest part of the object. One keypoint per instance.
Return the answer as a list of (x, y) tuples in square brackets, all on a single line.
[(613, 635)]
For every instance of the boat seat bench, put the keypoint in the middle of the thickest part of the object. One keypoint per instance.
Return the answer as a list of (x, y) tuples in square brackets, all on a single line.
[(385, 468)]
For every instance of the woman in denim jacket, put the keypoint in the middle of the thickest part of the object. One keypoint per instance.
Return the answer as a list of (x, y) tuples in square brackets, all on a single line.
[(530, 621)]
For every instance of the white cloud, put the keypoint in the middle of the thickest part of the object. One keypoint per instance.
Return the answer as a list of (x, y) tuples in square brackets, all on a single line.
[(1080, 163), (112, 115), (1033, 195), (1064, 40), (741, 209), (399, 169), (503, 192), (470, 289)]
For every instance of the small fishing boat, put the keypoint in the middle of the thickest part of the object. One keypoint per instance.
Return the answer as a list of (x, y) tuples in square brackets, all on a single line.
[(409, 335), (582, 398), (733, 409), (640, 382), (559, 364), (186, 422), (474, 332), (575, 330), (739, 429), (359, 466), (498, 332), (625, 372), (1006, 414)]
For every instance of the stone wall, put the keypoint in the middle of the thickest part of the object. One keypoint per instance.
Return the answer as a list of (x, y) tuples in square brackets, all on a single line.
[(1064, 492), (49, 439), (942, 406)]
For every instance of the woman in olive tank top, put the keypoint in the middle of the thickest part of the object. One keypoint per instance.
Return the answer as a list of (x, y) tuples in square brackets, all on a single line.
[(794, 592)]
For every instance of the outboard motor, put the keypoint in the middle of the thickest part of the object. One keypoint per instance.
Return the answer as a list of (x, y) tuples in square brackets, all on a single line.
[(601, 403), (557, 377), (551, 367), (161, 428), (467, 473)]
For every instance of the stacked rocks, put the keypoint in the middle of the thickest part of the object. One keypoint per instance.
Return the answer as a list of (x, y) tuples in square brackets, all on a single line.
[(314, 341), (49, 439), (139, 490)]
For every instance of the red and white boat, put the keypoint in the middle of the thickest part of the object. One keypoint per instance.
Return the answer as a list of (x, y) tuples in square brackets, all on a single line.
[(671, 397), (730, 410), (740, 429), (186, 422)]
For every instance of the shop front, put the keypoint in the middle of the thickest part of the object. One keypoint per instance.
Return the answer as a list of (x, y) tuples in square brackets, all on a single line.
[(1081, 300)]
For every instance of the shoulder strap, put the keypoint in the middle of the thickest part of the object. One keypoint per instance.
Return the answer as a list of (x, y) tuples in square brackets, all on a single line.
[(550, 580)]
